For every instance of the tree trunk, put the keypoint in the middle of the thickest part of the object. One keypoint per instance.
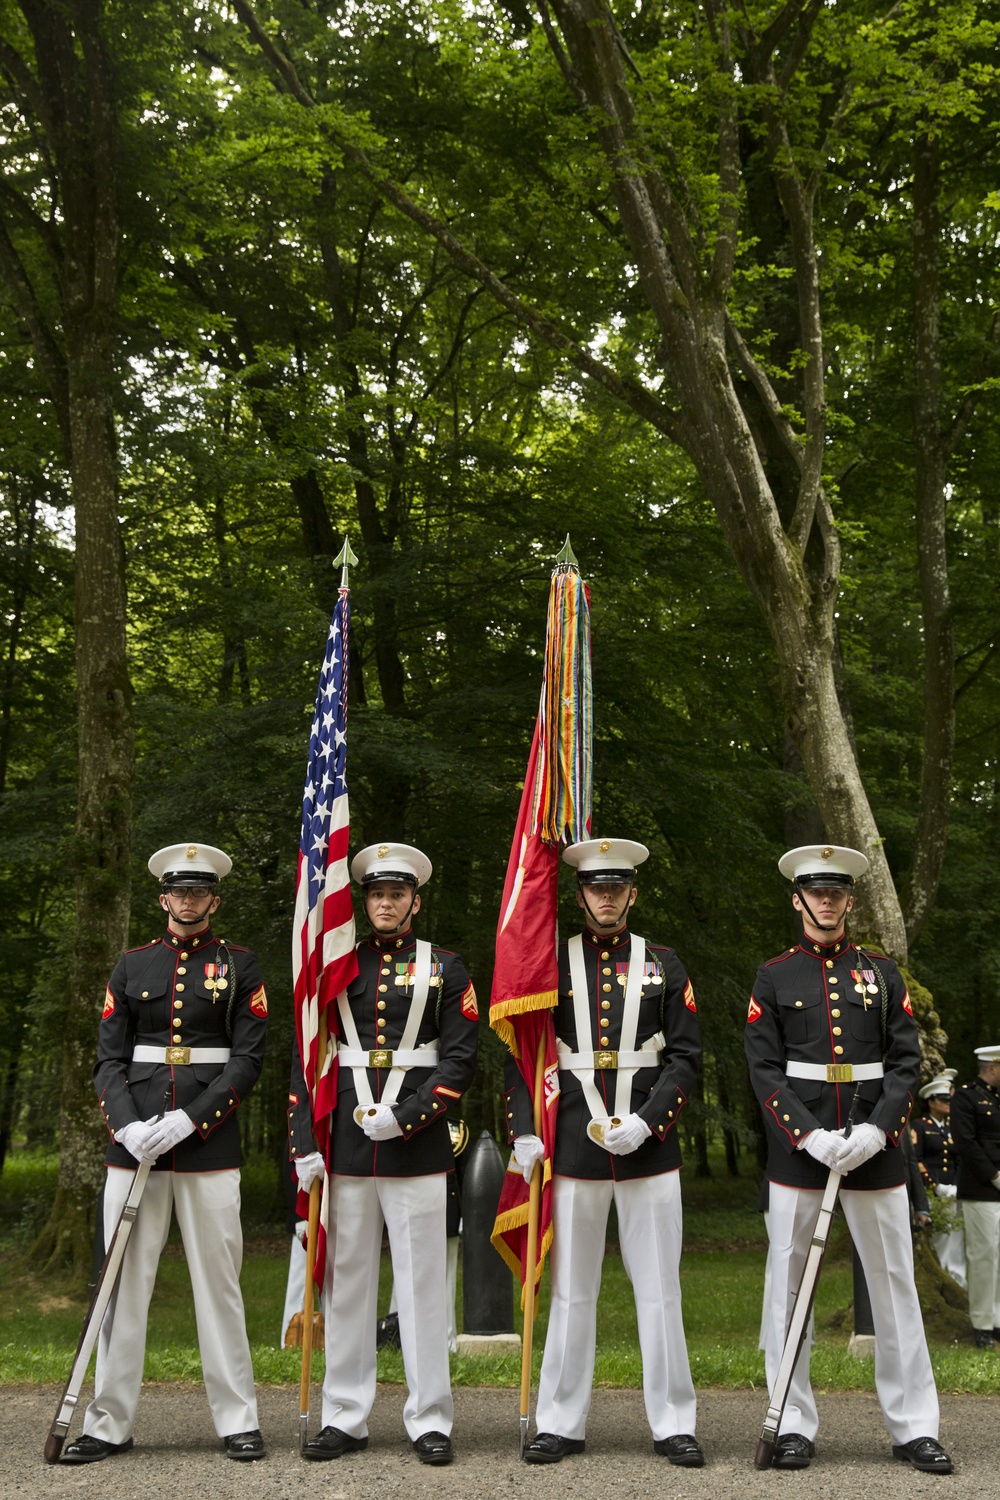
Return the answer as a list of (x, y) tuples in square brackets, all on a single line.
[(78, 122)]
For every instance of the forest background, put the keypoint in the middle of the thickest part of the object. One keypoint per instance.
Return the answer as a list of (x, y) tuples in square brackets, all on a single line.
[(710, 286)]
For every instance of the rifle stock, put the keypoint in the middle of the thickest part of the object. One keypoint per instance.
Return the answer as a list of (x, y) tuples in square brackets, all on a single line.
[(103, 1291)]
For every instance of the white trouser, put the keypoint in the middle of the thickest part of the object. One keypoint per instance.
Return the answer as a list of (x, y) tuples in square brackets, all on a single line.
[(295, 1287), (880, 1228), (650, 1234), (413, 1211), (452, 1285), (982, 1254), (207, 1205), (950, 1251)]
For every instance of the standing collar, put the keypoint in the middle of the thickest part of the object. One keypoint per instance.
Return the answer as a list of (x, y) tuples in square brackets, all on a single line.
[(392, 942), (599, 940), (171, 940), (825, 950)]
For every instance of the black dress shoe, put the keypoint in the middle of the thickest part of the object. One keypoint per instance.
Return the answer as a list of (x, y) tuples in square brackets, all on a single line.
[(245, 1445), (433, 1448), (983, 1338), (924, 1453), (682, 1450), (550, 1448), (793, 1451), (330, 1442), (90, 1450)]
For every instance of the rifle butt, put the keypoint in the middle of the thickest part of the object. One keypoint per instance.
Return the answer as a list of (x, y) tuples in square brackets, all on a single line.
[(764, 1456), (54, 1446)]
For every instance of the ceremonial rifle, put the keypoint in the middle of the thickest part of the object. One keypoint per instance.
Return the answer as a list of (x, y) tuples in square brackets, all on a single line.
[(103, 1292), (804, 1299)]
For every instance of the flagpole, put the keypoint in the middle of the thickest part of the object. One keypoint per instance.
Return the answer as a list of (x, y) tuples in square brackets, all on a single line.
[(531, 1250), (315, 1194)]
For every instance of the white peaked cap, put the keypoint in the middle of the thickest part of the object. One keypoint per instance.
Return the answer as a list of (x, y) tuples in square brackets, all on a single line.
[(185, 860), (391, 861), (937, 1086), (591, 855), (988, 1054), (822, 859)]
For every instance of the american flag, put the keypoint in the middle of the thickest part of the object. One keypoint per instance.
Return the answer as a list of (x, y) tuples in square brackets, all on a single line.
[(324, 960)]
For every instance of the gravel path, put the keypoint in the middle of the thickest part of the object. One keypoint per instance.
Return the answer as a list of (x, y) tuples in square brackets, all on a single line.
[(177, 1456)]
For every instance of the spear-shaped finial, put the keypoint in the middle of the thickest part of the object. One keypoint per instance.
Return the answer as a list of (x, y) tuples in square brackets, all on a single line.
[(345, 559), (567, 557)]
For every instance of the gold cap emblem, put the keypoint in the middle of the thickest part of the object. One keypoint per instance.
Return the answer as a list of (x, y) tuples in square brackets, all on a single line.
[(192, 851), (382, 851), (604, 846), (826, 854)]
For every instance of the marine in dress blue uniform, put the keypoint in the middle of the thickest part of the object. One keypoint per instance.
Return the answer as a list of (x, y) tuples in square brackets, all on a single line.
[(829, 1021), (389, 1159), (975, 1126), (629, 1045), (180, 1046), (937, 1160)]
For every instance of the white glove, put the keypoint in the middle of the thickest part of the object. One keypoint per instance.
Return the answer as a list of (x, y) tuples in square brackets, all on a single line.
[(135, 1138), (528, 1149), (826, 1146), (865, 1142), (309, 1169), (623, 1139), (302, 1231), (946, 1190), (380, 1124), (167, 1133)]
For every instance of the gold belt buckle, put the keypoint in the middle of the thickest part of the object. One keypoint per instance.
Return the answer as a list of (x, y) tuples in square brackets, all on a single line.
[(605, 1059), (178, 1057), (840, 1073), (381, 1058)]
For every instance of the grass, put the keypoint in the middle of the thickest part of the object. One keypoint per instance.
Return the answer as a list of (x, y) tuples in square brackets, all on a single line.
[(721, 1277)]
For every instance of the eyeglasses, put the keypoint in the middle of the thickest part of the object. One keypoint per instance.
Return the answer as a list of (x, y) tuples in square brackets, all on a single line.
[(197, 891)]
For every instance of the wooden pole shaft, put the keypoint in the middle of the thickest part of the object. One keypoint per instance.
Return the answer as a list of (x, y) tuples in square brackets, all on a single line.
[(534, 1206)]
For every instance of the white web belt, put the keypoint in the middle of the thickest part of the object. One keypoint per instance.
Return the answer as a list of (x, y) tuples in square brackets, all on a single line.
[(397, 1059), (627, 1060), (834, 1072), (179, 1057)]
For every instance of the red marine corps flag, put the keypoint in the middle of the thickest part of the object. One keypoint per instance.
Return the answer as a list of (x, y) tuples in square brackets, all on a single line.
[(554, 812)]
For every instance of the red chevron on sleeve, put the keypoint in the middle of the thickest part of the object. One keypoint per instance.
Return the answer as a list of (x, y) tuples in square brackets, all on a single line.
[(754, 1013)]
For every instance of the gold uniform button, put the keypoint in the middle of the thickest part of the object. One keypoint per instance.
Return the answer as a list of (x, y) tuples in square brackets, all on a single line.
[(218, 1114), (605, 971), (204, 1124), (435, 1106), (409, 1127), (605, 1021), (605, 955), (383, 988), (798, 1005), (670, 1114), (605, 988), (796, 1132), (604, 1041), (833, 996), (381, 1005), (835, 1014), (380, 1041), (145, 994), (786, 1117), (605, 1004), (829, 963), (185, 955), (839, 1051), (837, 1030), (423, 1117), (178, 986)]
